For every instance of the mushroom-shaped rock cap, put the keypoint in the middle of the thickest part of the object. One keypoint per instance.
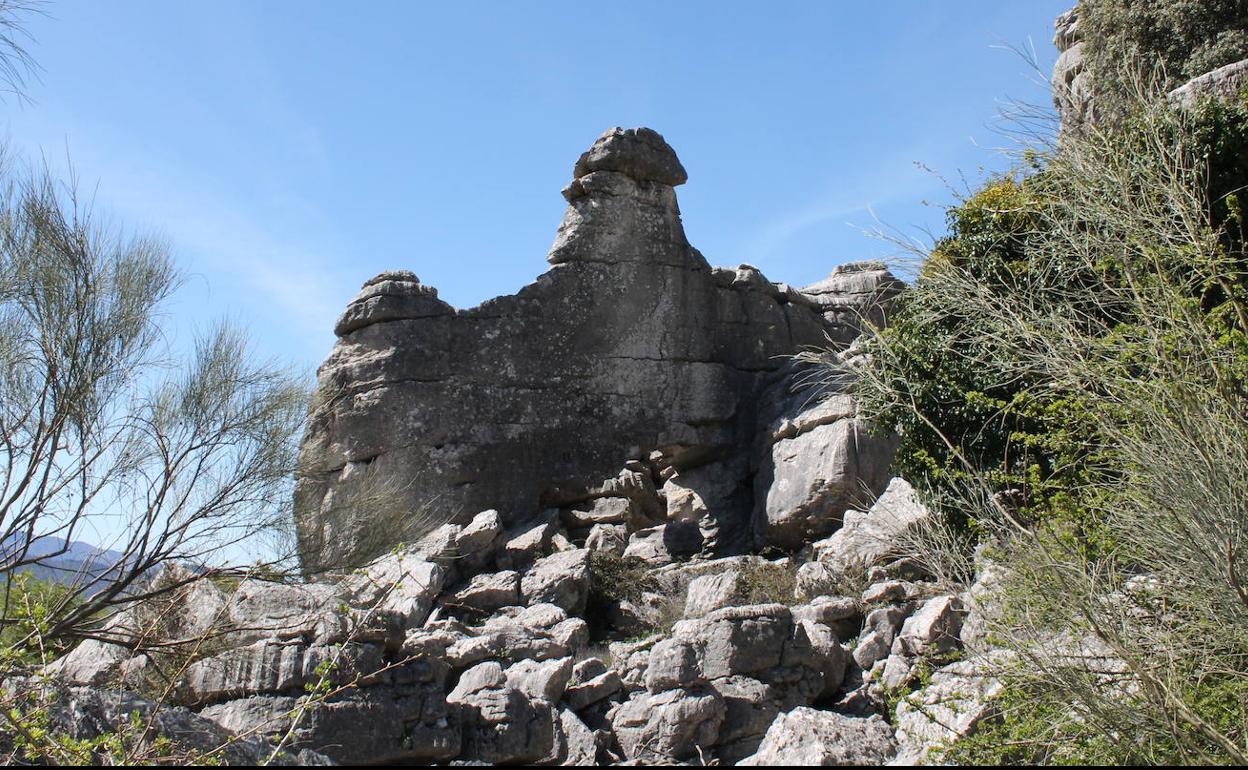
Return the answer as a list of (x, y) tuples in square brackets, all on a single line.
[(641, 153), (406, 276), (394, 295)]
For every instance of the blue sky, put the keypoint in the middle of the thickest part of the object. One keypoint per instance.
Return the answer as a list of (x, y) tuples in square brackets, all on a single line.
[(290, 150)]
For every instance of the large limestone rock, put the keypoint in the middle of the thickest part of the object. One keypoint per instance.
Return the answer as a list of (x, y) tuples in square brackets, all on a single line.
[(561, 579), (868, 538), (805, 737), (958, 699), (666, 726), (1225, 82), (812, 479), (630, 344), (502, 724)]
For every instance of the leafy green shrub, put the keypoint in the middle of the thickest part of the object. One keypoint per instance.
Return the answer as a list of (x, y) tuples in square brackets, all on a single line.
[(1068, 373), (32, 604), (963, 388)]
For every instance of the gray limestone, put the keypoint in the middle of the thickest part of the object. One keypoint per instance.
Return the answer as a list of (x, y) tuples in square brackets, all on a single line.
[(630, 344)]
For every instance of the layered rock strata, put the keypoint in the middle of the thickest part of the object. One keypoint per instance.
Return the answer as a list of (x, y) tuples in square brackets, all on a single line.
[(631, 347)]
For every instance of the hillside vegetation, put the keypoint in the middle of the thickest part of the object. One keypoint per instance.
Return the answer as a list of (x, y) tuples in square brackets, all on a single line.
[(1067, 375)]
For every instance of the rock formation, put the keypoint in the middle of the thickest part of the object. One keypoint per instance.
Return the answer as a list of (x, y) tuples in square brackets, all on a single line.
[(630, 348), (635, 534), (597, 460), (423, 656)]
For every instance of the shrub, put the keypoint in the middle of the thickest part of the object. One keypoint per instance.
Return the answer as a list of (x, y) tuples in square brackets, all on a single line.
[(765, 582), (1068, 374), (1185, 38)]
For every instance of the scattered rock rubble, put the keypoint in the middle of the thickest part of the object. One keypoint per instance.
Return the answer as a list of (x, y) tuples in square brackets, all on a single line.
[(473, 645)]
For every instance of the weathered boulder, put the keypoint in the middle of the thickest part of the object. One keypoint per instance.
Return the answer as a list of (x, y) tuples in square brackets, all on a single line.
[(841, 614), (831, 656), (708, 593), (592, 690), (487, 592), (959, 697), (820, 462), (869, 538), (402, 584), (479, 540), (546, 680), (527, 542), (500, 723), (604, 510), (670, 725), (540, 632), (890, 591), (575, 744), (610, 538), (750, 706), (561, 579), (804, 737), (934, 628)]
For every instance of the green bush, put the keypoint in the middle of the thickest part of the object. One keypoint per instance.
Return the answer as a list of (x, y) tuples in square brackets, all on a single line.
[(33, 605), (969, 402), (1068, 375)]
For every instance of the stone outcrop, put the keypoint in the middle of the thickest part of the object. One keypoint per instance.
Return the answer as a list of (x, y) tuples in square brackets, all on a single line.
[(821, 462), (631, 347), (1226, 82), (1072, 83), (1074, 93), (149, 731)]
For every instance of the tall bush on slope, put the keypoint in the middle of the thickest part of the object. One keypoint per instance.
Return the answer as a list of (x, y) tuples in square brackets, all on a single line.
[(1068, 374)]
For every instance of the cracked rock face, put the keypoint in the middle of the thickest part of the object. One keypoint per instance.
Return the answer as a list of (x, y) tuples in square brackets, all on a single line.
[(630, 344)]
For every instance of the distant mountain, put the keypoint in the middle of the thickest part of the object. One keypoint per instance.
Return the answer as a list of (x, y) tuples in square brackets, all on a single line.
[(66, 562)]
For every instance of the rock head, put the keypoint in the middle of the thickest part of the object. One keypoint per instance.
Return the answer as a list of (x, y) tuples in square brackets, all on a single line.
[(640, 153)]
